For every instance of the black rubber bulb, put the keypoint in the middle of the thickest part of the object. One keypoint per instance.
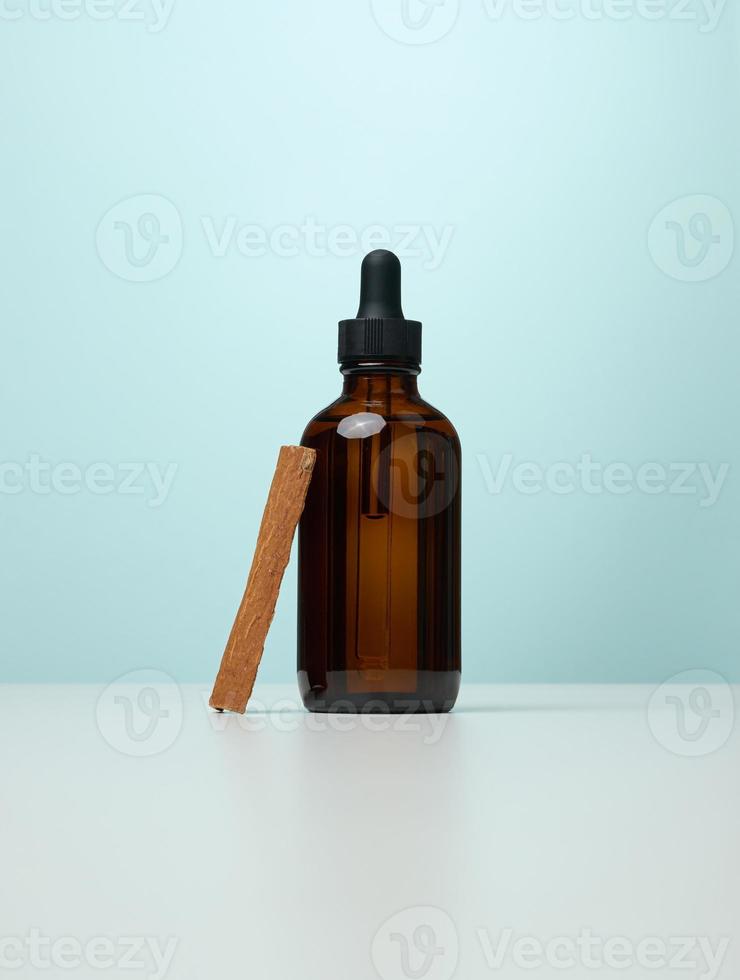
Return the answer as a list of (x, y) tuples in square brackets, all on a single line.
[(380, 285)]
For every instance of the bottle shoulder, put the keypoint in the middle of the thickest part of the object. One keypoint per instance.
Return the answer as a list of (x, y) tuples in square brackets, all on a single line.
[(407, 409)]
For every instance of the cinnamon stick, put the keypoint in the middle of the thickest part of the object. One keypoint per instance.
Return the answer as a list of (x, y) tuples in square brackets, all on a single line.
[(246, 642)]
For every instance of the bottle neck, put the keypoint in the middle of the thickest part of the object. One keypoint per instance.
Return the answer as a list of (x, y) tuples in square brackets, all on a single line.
[(367, 381)]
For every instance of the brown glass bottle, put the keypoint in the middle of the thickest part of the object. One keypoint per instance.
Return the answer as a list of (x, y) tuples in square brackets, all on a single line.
[(379, 539)]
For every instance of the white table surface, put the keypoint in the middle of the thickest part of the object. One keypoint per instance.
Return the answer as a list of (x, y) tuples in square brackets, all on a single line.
[(286, 845)]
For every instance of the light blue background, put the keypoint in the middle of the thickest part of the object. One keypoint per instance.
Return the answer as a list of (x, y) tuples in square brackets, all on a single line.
[(549, 331)]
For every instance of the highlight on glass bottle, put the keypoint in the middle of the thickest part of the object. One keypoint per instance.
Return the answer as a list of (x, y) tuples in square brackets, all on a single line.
[(379, 539)]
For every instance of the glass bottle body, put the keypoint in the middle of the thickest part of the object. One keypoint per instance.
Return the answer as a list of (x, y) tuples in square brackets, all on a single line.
[(379, 552)]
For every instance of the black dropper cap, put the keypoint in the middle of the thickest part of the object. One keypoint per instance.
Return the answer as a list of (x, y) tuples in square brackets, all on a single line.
[(380, 334)]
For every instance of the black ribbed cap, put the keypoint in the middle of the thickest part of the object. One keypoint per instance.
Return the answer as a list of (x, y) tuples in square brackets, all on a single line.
[(380, 332)]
